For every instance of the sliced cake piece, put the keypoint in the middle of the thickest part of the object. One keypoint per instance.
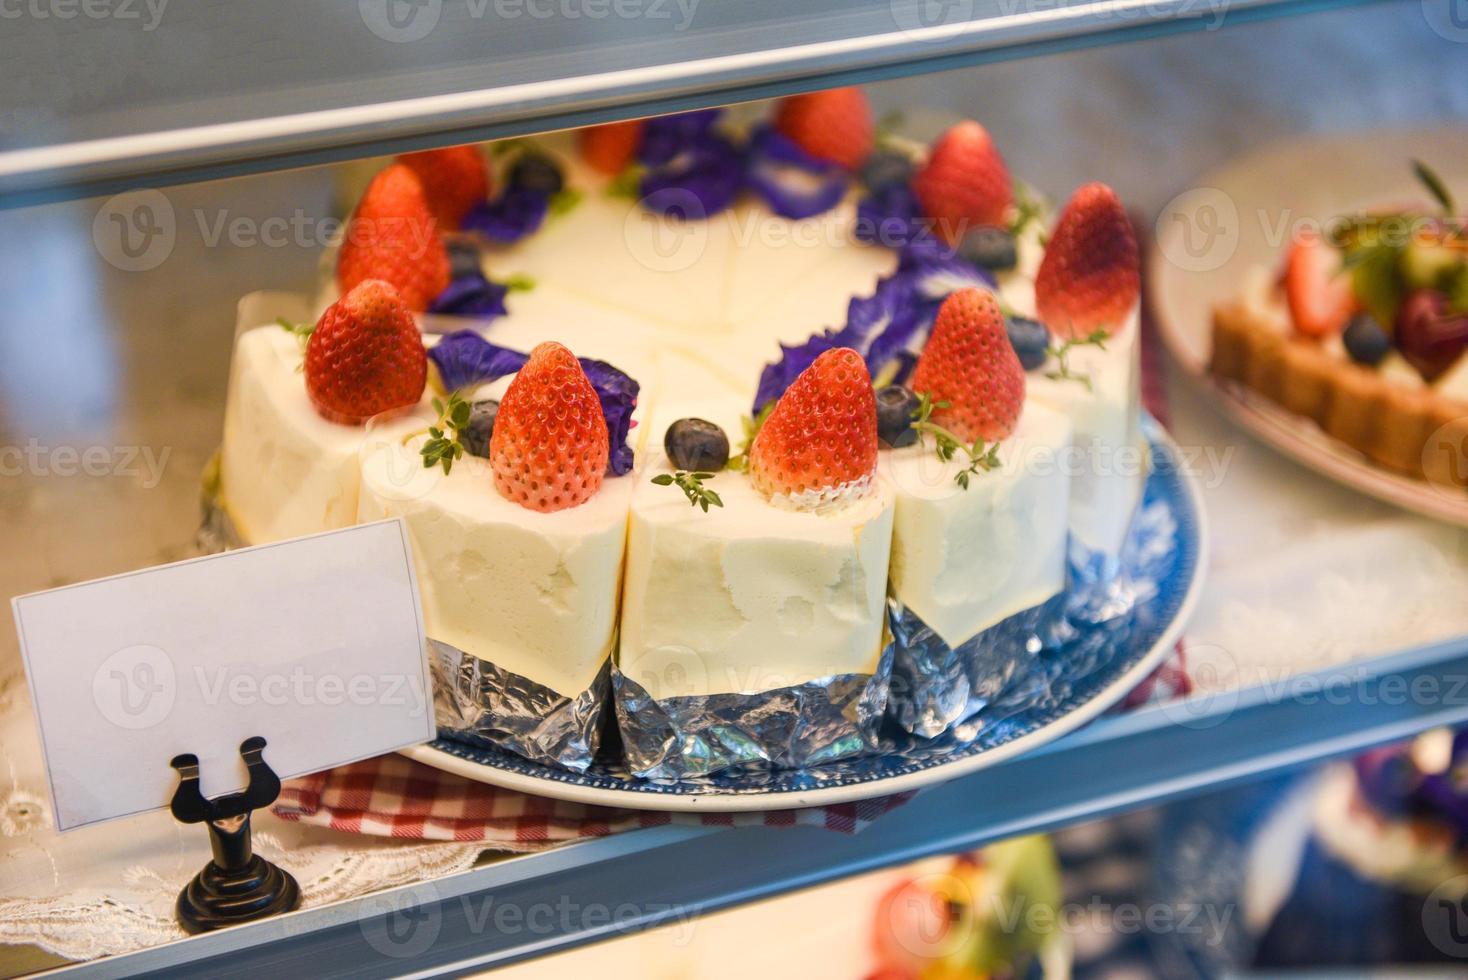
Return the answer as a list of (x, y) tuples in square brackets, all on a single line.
[(298, 398)]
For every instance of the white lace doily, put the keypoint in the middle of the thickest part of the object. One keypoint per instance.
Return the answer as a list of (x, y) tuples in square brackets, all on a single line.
[(110, 889)]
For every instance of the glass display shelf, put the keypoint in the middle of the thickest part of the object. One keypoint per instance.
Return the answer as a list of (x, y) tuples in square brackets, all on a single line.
[(108, 97), (645, 878)]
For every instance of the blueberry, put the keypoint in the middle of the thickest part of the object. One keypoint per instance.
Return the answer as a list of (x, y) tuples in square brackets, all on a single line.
[(885, 168), (696, 446), (1030, 340), (536, 172), (989, 248), (1365, 341), (895, 405), (475, 439), (463, 258)]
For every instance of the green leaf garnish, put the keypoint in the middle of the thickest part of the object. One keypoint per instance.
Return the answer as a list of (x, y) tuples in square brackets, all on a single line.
[(500, 148), (444, 446), (1096, 338), (301, 331), (628, 183), (692, 486), (1027, 208), (520, 283), (1435, 187), (739, 462), (564, 201), (981, 456)]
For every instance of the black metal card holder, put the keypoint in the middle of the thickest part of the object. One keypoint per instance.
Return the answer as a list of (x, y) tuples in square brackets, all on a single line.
[(238, 885)]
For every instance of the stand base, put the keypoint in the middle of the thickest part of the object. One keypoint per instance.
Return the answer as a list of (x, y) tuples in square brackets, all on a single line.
[(217, 898)]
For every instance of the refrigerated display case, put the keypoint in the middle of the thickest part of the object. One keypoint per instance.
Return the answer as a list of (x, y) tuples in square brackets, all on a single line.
[(243, 119)]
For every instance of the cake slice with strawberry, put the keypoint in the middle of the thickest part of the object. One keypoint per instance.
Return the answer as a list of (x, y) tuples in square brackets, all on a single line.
[(518, 537), (766, 576), (1075, 322), (980, 533), (298, 398)]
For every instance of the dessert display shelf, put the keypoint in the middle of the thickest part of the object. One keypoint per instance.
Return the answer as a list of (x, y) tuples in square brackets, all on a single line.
[(351, 75)]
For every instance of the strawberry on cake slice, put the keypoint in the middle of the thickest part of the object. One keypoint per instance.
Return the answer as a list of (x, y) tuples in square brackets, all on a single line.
[(393, 236), (1076, 329), (518, 530), (980, 528), (298, 398), (765, 577), (980, 532)]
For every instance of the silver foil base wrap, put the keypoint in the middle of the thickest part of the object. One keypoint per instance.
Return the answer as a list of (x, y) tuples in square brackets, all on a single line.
[(1037, 655), (475, 701), (787, 728), (935, 686)]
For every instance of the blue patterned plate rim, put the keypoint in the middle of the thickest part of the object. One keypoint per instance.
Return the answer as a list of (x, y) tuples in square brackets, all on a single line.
[(922, 763)]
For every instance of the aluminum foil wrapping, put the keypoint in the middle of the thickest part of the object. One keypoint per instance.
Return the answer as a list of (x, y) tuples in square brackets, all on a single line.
[(690, 736), (476, 701), (1033, 656)]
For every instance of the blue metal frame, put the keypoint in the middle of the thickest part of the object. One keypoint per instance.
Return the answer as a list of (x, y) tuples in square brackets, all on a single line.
[(654, 877)]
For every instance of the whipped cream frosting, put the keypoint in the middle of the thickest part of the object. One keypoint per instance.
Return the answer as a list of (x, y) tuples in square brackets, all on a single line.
[(964, 560), (748, 597), (534, 593), (1108, 460)]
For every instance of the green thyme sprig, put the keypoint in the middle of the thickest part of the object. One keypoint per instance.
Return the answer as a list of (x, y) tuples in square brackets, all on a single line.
[(1061, 355), (692, 486), (1028, 207), (1436, 188), (627, 185), (739, 462), (563, 201), (444, 445), (981, 456), (301, 331)]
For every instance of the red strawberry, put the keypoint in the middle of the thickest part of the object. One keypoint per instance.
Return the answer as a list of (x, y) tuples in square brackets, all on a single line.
[(609, 148), (1091, 274), (454, 179), (365, 356), (969, 363), (834, 125), (1319, 296), (392, 236), (964, 183), (549, 446), (822, 435)]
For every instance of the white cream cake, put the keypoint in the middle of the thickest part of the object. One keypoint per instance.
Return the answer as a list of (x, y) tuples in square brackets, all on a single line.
[(745, 597)]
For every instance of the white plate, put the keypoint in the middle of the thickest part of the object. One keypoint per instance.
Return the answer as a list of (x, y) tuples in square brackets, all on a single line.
[(1239, 216)]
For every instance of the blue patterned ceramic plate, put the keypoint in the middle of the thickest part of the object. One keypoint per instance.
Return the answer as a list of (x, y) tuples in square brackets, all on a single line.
[(1168, 541)]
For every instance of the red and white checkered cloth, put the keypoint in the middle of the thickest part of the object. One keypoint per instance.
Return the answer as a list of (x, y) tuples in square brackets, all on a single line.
[(392, 796)]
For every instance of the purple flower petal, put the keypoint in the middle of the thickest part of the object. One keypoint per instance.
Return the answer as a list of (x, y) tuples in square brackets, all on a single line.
[(465, 359), (792, 182), (664, 137), (517, 212), (698, 182), (471, 295)]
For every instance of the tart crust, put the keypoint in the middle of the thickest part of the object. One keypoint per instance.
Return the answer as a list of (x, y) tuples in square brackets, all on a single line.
[(1413, 431)]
